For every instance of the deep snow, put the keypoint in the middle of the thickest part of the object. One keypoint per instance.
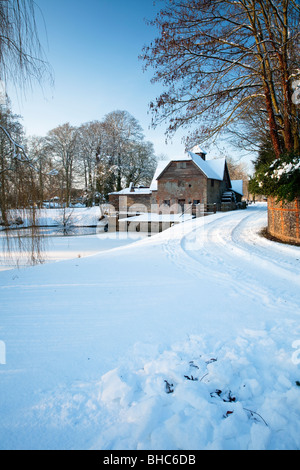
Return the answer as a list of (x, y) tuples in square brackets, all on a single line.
[(187, 340)]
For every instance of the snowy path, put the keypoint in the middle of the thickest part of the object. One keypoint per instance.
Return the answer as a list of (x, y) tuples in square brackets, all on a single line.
[(229, 250), (208, 311)]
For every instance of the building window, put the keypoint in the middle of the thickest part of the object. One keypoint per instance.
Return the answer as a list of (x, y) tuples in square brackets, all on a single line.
[(181, 165), (196, 201), (181, 203), (167, 202), (212, 183)]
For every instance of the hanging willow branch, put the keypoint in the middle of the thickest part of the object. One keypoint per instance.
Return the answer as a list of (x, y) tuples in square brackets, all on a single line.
[(21, 55)]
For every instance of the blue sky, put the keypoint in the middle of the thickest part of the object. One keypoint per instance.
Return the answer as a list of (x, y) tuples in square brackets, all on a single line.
[(93, 48)]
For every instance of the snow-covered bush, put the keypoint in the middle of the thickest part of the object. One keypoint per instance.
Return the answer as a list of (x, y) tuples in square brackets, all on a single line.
[(281, 179)]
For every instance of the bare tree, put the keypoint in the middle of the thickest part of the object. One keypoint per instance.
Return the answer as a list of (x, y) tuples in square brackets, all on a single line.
[(18, 191), (62, 146), (122, 130), (21, 62), (139, 164), (11, 131), (219, 60), (21, 55), (91, 144), (96, 158), (38, 151)]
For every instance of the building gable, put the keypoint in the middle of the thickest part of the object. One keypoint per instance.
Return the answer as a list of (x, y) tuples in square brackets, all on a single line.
[(181, 169)]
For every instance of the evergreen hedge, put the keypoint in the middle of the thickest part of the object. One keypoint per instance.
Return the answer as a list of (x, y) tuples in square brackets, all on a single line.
[(280, 179)]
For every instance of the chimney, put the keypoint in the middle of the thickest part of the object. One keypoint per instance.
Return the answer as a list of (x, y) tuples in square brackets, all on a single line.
[(198, 151)]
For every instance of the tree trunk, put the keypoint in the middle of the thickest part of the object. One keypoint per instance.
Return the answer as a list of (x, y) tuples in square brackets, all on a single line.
[(272, 124)]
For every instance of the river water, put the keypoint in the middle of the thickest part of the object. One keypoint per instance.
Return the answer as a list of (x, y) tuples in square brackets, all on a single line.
[(18, 249), (50, 232)]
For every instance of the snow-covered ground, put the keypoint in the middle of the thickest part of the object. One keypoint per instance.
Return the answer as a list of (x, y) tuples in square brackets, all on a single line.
[(186, 340)]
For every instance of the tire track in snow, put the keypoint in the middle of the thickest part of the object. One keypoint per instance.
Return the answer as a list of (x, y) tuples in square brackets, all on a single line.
[(225, 257), (101, 285)]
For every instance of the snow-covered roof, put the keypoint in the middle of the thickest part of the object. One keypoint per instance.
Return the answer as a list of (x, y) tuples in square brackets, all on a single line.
[(159, 169), (213, 169), (133, 191), (237, 186)]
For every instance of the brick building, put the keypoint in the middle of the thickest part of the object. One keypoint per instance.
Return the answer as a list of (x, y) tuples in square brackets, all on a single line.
[(181, 183)]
